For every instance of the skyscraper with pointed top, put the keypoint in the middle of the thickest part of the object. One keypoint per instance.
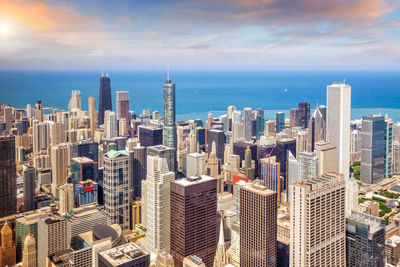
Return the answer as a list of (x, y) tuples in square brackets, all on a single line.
[(221, 258), (169, 132), (104, 97)]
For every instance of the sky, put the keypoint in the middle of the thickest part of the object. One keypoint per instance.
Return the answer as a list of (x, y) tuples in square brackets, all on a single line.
[(202, 34)]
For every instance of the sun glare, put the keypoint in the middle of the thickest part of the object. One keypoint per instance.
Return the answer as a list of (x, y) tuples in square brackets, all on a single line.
[(5, 30)]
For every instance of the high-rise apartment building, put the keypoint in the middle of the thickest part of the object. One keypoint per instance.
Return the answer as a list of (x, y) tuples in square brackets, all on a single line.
[(317, 222), (194, 219), (29, 187), (116, 187), (8, 176), (396, 157), (111, 125), (164, 152), (53, 236), (372, 149), (280, 122), (59, 165), (169, 131), (365, 240), (75, 101), (258, 226), (66, 193), (41, 136), (92, 115), (104, 98), (303, 114), (57, 133), (388, 168), (338, 123), (247, 123), (159, 180)]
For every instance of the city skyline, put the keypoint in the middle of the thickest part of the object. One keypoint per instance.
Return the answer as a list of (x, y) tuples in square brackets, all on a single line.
[(240, 34)]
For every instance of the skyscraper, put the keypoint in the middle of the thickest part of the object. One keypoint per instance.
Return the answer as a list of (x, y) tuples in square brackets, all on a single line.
[(29, 188), (30, 252), (195, 164), (372, 149), (221, 259), (29, 258), (303, 114), (92, 115), (59, 165), (7, 248), (194, 219), (75, 101), (104, 97), (137, 162), (8, 176), (294, 117), (396, 157), (169, 131), (280, 122), (258, 226), (388, 147), (111, 125), (159, 180), (326, 154), (308, 166), (53, 236), (122, 98), (217, 137), (271, 174), (116, 187), (338, 123), (317, 222), (365, 240), (316, 129), (247, 123), (66, 193)]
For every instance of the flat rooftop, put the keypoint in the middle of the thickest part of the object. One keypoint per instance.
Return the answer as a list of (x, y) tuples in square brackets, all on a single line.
[(188, 181), (123, 254)]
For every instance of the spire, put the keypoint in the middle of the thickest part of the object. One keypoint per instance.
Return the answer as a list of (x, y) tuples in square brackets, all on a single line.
[(221, 240), (213, 148), (168, 73)]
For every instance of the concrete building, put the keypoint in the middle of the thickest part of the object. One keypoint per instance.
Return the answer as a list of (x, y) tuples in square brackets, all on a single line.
[(116, 187), (150, 136), (92, 115), (164, 152), (59, 165), (338, 123), (317, 230), (326, 154), (316, 129), (388, 160), (111, 125), (105, 102), (234, 250), (258, 226), (193, 261), (396, 157), (53, 236), (247, 123), (8, 175), (158, 224), (195, 164), (271, 175), (355, 146), (122, 99), (392, 249), (280, 122), (66, 193), (303, 114), (129, 254), (365, 240), (372, 149), (41, 136), (194, 217), (164, 259)]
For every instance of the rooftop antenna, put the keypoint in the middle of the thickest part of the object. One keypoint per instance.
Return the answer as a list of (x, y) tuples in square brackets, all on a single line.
[(168, 73), (102, 72), (106, 74)]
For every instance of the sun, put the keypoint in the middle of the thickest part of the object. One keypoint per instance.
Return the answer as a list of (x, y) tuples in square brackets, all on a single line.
[(5, 30)]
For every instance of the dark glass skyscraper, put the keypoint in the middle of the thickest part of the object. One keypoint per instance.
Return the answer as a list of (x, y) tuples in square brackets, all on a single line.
[(303, 114), (104, 98), (8, 190), (169, 132)]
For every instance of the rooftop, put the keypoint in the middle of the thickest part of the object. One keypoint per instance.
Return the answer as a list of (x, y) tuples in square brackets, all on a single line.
[(115, 153), (123, 254), (188, 181)]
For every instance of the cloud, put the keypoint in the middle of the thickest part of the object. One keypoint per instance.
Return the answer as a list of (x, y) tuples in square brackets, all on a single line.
[(96, 53)]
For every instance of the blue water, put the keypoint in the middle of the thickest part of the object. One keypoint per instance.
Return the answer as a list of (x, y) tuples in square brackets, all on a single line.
[(198, 92)]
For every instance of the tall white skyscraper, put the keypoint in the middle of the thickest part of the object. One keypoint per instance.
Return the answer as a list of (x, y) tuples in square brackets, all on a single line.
[(317, 222), (116, 187), (41, 136), (111, 121), (338, 123), (158, 207), (75, 102), (247, 123), (308, 166)]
